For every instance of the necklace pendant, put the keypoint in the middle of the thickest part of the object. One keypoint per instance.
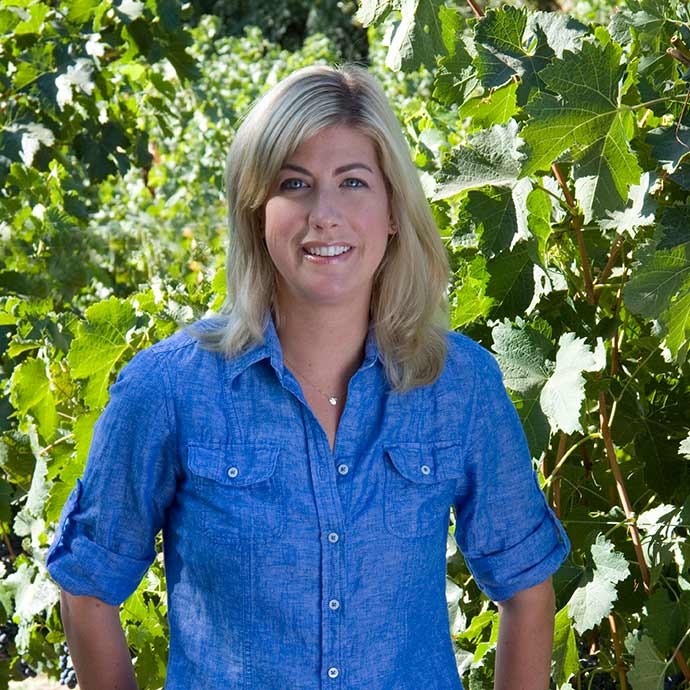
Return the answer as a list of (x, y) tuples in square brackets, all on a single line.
[(333, 400)]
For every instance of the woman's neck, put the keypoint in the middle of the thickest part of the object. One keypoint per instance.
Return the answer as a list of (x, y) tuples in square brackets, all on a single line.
[(326, 343)]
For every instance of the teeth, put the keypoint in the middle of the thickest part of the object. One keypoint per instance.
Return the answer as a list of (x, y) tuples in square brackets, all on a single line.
[(328, 251)]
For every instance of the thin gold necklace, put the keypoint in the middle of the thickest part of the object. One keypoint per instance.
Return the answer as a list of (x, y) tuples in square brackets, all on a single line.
[(332, 399)]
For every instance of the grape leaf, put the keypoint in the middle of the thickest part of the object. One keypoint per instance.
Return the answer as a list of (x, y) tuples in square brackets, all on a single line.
[(593, 599), (504, 52), (99, 345), (30, 392), (511, 285), (639, 211), (417, 38), (455, 78), (670, 145), (491, 157), (648, 668), (582, 116), (562, 395), (562, 32), (469, 302), (495, 108), (657, 276), (565, 660), (522, 353), (372, 11), (677, 320)]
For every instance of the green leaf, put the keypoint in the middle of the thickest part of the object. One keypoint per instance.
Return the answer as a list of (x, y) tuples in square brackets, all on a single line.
[(511, 285), (657, 276), (81, 11), (33, 25), (30, 392), (494, 215), (562, 32), (522, 353), (593, 599), (491, 157), (596, 136), (372, 11), (494, 108), (100, 343), (670, 145), (455, 78), (469, 301), (647, 672), (565, 660), (539, 207), (677, 320), (504, 52), (418, 38), (639, 211), (563, 394)]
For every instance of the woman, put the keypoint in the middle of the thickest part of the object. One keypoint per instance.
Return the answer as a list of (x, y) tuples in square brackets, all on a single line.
[(302, 450)]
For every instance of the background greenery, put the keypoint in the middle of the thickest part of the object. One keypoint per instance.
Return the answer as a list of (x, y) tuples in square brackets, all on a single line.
[(554, 149)]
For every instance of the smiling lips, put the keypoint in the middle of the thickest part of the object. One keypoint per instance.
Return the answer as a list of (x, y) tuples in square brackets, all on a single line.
[(331, 250)]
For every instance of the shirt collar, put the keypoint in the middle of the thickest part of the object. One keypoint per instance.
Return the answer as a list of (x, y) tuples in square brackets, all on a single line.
[(270, 349)]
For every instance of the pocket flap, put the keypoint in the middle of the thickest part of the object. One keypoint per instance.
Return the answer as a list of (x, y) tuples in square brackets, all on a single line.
[(233, 465), (426, 464)]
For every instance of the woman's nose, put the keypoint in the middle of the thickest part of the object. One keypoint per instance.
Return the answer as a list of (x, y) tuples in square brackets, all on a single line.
[(324, 212)]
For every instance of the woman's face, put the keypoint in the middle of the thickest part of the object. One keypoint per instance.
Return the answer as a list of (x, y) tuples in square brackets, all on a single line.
[(327, 220)]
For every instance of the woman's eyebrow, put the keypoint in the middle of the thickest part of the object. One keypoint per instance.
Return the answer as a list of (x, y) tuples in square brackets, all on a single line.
[(337, 171)]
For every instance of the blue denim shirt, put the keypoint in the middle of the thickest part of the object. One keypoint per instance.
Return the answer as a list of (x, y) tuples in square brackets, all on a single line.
[(290, 567)]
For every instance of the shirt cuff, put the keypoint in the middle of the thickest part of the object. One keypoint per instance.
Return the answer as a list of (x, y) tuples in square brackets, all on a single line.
[(83, 568), (502, 574)]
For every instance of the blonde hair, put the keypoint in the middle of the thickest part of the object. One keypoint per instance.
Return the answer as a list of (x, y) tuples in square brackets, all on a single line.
[(408, 305)]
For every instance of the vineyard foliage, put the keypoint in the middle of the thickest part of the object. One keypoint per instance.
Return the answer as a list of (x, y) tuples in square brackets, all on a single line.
[(555, 150)]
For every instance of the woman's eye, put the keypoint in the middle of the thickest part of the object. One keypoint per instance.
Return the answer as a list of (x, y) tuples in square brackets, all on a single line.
[(354, 182), (291, 183)]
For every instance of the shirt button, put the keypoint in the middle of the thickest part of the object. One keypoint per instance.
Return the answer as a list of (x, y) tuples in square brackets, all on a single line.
[(233, 472), (334, 604), (343, 468), (333, 672), (425, 469), (333, 537)]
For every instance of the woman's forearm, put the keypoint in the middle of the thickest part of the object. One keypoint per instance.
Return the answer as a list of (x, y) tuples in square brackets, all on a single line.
[(525, 639), (97, 644)]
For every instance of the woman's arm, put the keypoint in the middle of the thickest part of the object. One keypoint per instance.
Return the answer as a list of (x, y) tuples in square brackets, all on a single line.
[(97, 643), (525, 639)]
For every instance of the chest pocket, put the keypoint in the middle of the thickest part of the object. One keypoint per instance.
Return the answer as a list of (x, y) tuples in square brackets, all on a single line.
[(419, 488), (239, 491)]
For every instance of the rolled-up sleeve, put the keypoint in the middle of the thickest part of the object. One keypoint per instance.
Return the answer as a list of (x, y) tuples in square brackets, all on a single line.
[(508, 534), (105, 539)]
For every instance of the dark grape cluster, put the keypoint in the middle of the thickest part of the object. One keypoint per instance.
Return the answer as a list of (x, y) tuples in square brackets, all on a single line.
[(673, 682), (603, 681), (68, 676), (7, 633), (26, 670), (5, 555)]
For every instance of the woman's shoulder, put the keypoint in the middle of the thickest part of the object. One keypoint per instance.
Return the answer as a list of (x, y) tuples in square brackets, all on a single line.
[(179, 355), (468, 355)]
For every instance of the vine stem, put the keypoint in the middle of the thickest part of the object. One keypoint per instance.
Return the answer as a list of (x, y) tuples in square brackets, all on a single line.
[(476, 9), (8, 544), (613, 255), (557, 479), (622, 491), (620, 666), (577, 227)]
